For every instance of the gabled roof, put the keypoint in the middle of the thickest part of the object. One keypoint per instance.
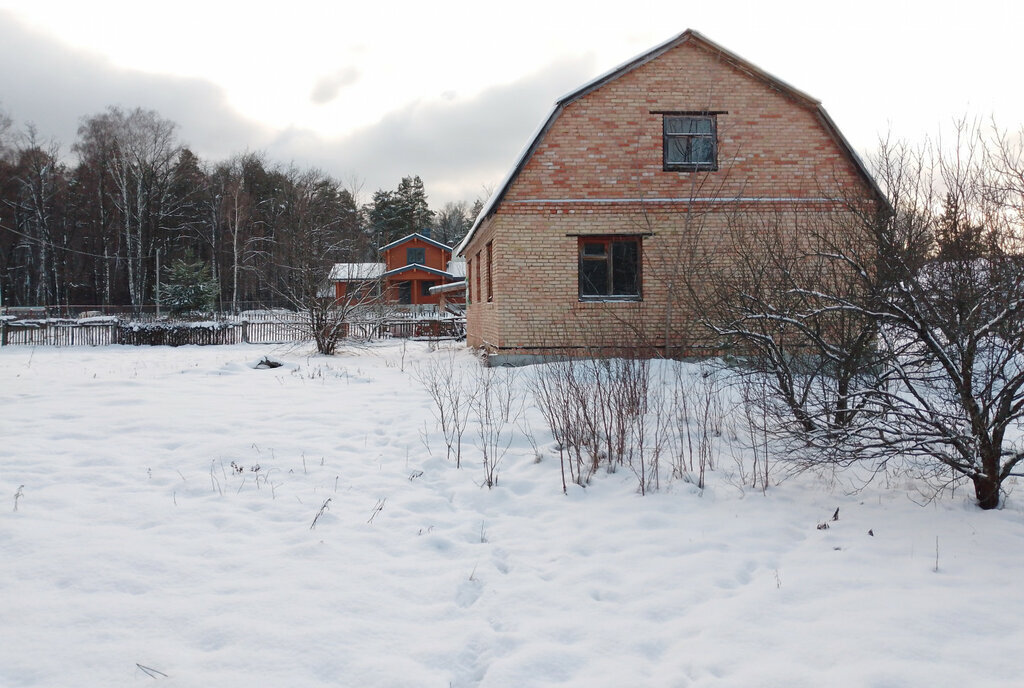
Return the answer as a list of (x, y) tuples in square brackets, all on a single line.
[(350, 272), (417, 266), (638, 61), (410, 237)]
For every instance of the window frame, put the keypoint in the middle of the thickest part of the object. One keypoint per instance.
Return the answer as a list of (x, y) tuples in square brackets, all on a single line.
[(420, 251), (608, 257), (674, 166), (490, 271), (479, 269)]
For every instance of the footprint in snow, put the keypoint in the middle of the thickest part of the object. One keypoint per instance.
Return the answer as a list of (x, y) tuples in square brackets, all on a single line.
[(468, 593), (501, 561)]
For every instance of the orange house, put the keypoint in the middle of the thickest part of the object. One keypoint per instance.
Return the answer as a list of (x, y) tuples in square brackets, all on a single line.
[(411, 266)]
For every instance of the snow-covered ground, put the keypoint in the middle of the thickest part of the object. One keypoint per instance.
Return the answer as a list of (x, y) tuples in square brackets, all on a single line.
[(138, 555)]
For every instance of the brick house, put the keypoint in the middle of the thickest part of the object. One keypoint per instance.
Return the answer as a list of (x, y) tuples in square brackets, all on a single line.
[(582, 244), (412, 265)]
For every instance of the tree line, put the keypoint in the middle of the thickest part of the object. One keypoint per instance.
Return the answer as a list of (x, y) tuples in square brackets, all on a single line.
[(103, 228)]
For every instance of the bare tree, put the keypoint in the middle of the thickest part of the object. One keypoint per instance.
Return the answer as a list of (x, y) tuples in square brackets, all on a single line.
[(138, 151), (452, 222), (39, 206), (953, 329), (774, 304), (497, 405), (230, 229), (5, 134), (322, 231), (900, 337), (446, 384)]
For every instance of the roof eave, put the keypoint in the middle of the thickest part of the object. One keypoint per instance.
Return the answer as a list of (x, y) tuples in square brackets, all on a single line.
[(415, 235), (830, 125), (417, 266)]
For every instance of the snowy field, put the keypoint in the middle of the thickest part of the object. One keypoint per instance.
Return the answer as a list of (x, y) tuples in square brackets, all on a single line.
[(133, 552)]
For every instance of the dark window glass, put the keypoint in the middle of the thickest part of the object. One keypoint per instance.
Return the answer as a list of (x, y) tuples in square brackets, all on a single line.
[(479, 269), (690, 142), (490, 272), (625, 267), (416, 255), (609, 267)]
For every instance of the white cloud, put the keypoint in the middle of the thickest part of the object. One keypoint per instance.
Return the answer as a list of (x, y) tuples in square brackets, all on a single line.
[(327, 87), (456, 145)]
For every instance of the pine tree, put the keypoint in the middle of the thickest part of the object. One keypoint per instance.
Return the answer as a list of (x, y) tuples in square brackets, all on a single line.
[(395, 214), (412, 203), (188, 286)]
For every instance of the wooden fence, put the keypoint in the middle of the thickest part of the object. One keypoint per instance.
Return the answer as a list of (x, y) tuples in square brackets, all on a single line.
[(74, 333), (277, 329), (57, 333), (178, 334)]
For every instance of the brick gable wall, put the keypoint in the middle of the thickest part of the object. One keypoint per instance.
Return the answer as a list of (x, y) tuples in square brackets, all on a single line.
[(598, 170)]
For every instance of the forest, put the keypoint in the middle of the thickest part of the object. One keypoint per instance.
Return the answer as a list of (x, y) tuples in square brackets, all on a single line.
[(102, 227)]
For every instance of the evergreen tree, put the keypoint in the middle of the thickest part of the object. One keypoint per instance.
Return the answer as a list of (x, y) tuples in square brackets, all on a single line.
[(395, 214), (189, 286), (412, 203), (385, 221), (957, 238)]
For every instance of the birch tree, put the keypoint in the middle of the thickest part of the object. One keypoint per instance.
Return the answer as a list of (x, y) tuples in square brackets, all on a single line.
[(137, 151), (39, 204)]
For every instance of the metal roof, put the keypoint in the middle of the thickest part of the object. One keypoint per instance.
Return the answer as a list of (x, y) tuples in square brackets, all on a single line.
[(349, 272), (416, 235), (417, 266)]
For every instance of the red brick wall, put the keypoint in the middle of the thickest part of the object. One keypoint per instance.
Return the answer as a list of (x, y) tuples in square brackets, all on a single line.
[(602, 156), (608, 144)]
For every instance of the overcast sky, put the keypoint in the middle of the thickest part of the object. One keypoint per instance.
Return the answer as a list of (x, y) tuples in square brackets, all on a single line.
[(452, 91)]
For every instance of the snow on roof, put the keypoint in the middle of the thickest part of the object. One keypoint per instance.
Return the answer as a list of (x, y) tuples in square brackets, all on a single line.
[(457, 267), (445, 288), (416, 235), (345, 272), (416, 266)]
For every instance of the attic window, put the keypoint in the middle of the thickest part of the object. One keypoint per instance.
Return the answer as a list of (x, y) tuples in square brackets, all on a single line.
[(417, 256), (690, 142)]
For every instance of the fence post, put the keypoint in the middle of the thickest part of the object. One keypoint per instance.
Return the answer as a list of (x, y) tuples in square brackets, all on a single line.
[(3, 333), (245, 331)]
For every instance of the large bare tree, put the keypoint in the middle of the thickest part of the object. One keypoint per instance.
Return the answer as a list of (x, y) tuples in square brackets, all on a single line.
[(138, 153), (899, 338), (322, 229)]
